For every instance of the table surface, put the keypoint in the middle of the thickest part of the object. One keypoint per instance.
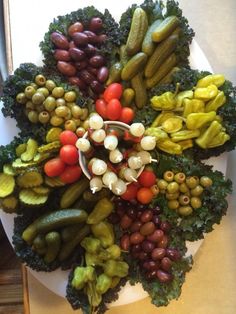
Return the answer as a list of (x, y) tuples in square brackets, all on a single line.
[(210, 286)]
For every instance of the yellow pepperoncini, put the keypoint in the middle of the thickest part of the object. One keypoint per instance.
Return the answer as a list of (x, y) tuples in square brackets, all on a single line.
[(164, 115), (158, 133), (206, 93), (186, 144), (219, 140), (193, 106), (169, 147), (172, 124), (165, 101), (197, 120), (216, 79), (184, 135), (207, 136), (187, 94), (216, 102)]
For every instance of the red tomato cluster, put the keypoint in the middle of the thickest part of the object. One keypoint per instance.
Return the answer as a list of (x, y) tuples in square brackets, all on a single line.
[(66, 164), (109, 106), (143, 190)]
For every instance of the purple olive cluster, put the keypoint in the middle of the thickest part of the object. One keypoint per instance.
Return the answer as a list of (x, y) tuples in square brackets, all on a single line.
[(146, 238), (78, 56)]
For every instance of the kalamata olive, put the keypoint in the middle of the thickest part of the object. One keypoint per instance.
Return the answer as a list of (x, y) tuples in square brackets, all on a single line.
[(72, 44), (157, 210), (86, 76), (114, 218), (59, 40), (165, 226), (97, 61), (139, 213), (136, 238), (147, 228), (166, 263), (163, 243), (90, 50), (135, 255), (131, 212), (125, 242), (75, 28), (81, 65), (74, 80), (163, 276), (173, 254), (120, 211), (151, 275), (158, 254), (92, 37), (77, 54), (156, 236), (157, 220), (66, 68), (125, 222), (97, 87), (101, 39), (103, 74), (95, 24), (150, 265), (142, 256), (146, 216), (136, 225), (80, 39), (148, 246), (136, 248), (92, 70), (141, 207), (62, 55)]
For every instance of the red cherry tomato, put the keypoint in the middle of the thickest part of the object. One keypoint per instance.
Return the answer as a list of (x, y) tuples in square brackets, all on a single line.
[(127, 115), (114, 109), (144, 195), (71, 174), (68, 137), (101, 108), (147, 178), (131, 192), (114, 90), (69, 154), (54, 167)]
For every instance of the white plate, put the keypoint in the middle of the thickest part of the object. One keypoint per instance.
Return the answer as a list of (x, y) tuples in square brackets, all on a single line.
[(56, 281)]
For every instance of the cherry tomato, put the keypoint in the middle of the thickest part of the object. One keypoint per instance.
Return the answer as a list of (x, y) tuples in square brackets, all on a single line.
[(71, 174), (114, 90), (114, 109), (144, 195), (54, 167), (127, 115), (147, 178), (68, 137), (101, 108), (69, 154), (131, 192)]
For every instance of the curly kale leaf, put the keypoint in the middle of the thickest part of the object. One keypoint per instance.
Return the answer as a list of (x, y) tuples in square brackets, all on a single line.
[(214, 203), (62, 23)]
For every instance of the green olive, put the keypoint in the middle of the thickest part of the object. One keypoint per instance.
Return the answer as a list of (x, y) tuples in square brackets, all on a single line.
[(80, 131), (84, 114), (58, 92), (168, 176), (35, 86), (172, 187), (69, 115), (85, 124), (44, 117), (192, 182), (21, 98), (77, 121), (40, 80), (180, 177), (195, 202), (50, 85), (183, 188), (76, 111), (197, 190), (70, 125), (33, 116), (173, 204), (56, 121), (29, 91), (184, 199), (30, 105), (44, 91), (40, 108), (38, 98), (60, 102), (62, 111), (205, 181), (70, 104), (185, 210), (172, 196), (70, 96), (162, 184), (50, 103)]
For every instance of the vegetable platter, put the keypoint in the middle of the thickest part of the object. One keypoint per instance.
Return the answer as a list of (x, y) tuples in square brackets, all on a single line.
[(104, 189)]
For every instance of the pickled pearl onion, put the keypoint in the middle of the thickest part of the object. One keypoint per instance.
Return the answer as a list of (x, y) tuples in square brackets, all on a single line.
[(99, 167), (98, 135), (130, 175), (95, 184), (135, 162), (83, 144), (109, 178), (96, 122), (119, 187), (148, 142), (115, 156), (146, 157), (137, 129), (110, 142)]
